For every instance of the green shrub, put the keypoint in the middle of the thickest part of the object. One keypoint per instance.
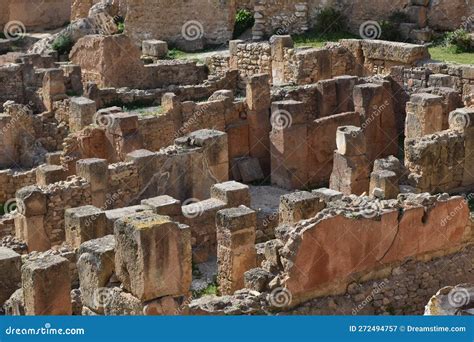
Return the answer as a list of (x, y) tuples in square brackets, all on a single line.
[(459, 41), (390, 31), (391, 26), (120, 22), (244, 20), (330, 20), (63, 44)]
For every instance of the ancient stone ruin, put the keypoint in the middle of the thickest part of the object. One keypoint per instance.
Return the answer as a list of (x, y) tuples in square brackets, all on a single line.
[(267, 178)]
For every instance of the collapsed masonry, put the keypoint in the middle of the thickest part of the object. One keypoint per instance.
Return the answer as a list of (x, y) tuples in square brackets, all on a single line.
[(135, 200)]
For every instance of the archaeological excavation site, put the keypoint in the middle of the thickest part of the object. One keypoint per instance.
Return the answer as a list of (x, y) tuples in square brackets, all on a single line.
[(236, 157)]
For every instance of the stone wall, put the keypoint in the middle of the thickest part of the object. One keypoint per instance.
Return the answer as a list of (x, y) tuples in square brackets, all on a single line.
[(185, 24), (289, 65), (36, 14), (337, 260), (11, 181), (295, 16), (114, 61)]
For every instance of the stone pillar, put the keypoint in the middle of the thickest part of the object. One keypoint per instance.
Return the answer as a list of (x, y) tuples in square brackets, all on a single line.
[(47, 286), (96, 172), (351, 169), (289, 147), (50, 174), (234, 60), (9, 154), (123, 134), (53, 87), (215, 161), (10, 276), (153, 256), (73, 74), (371, 102), (236, 253), (96, 266), (258, 101), (463, 120), (299, 206), (345, 89), (146, 165), (29, 223), (424, 115), (82, 113), (83, 224), (387, 182), (165, 205), (279, 63), (326, 98), (231, 193)]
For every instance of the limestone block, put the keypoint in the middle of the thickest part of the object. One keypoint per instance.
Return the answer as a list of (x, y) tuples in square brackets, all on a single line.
[(351, 141), (328, 195), (146, 164), (327, 97), (50, 174), (155, 48), (350, 175), (31, 201), (344, 90), (164, 205), (387, 181), (249, 169), (424, 115), (47, 286), (82, 113), (231, 193), (83, 224), (153, 256), (299, 206), (53, 158), (96, 172), (258, 92), (236, 251), (10, 276), (95, 265), (287, 113)]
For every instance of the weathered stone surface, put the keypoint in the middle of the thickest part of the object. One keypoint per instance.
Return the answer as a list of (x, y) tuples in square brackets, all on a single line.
[(96, 265), (153, 256), (84, 224), (236, 252), (46, 286), (10, 276)]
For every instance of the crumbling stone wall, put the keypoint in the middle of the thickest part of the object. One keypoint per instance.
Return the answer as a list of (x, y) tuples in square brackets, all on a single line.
[(36, 14), (389, 274), (114, 61), (184, 23), (294, 16)]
